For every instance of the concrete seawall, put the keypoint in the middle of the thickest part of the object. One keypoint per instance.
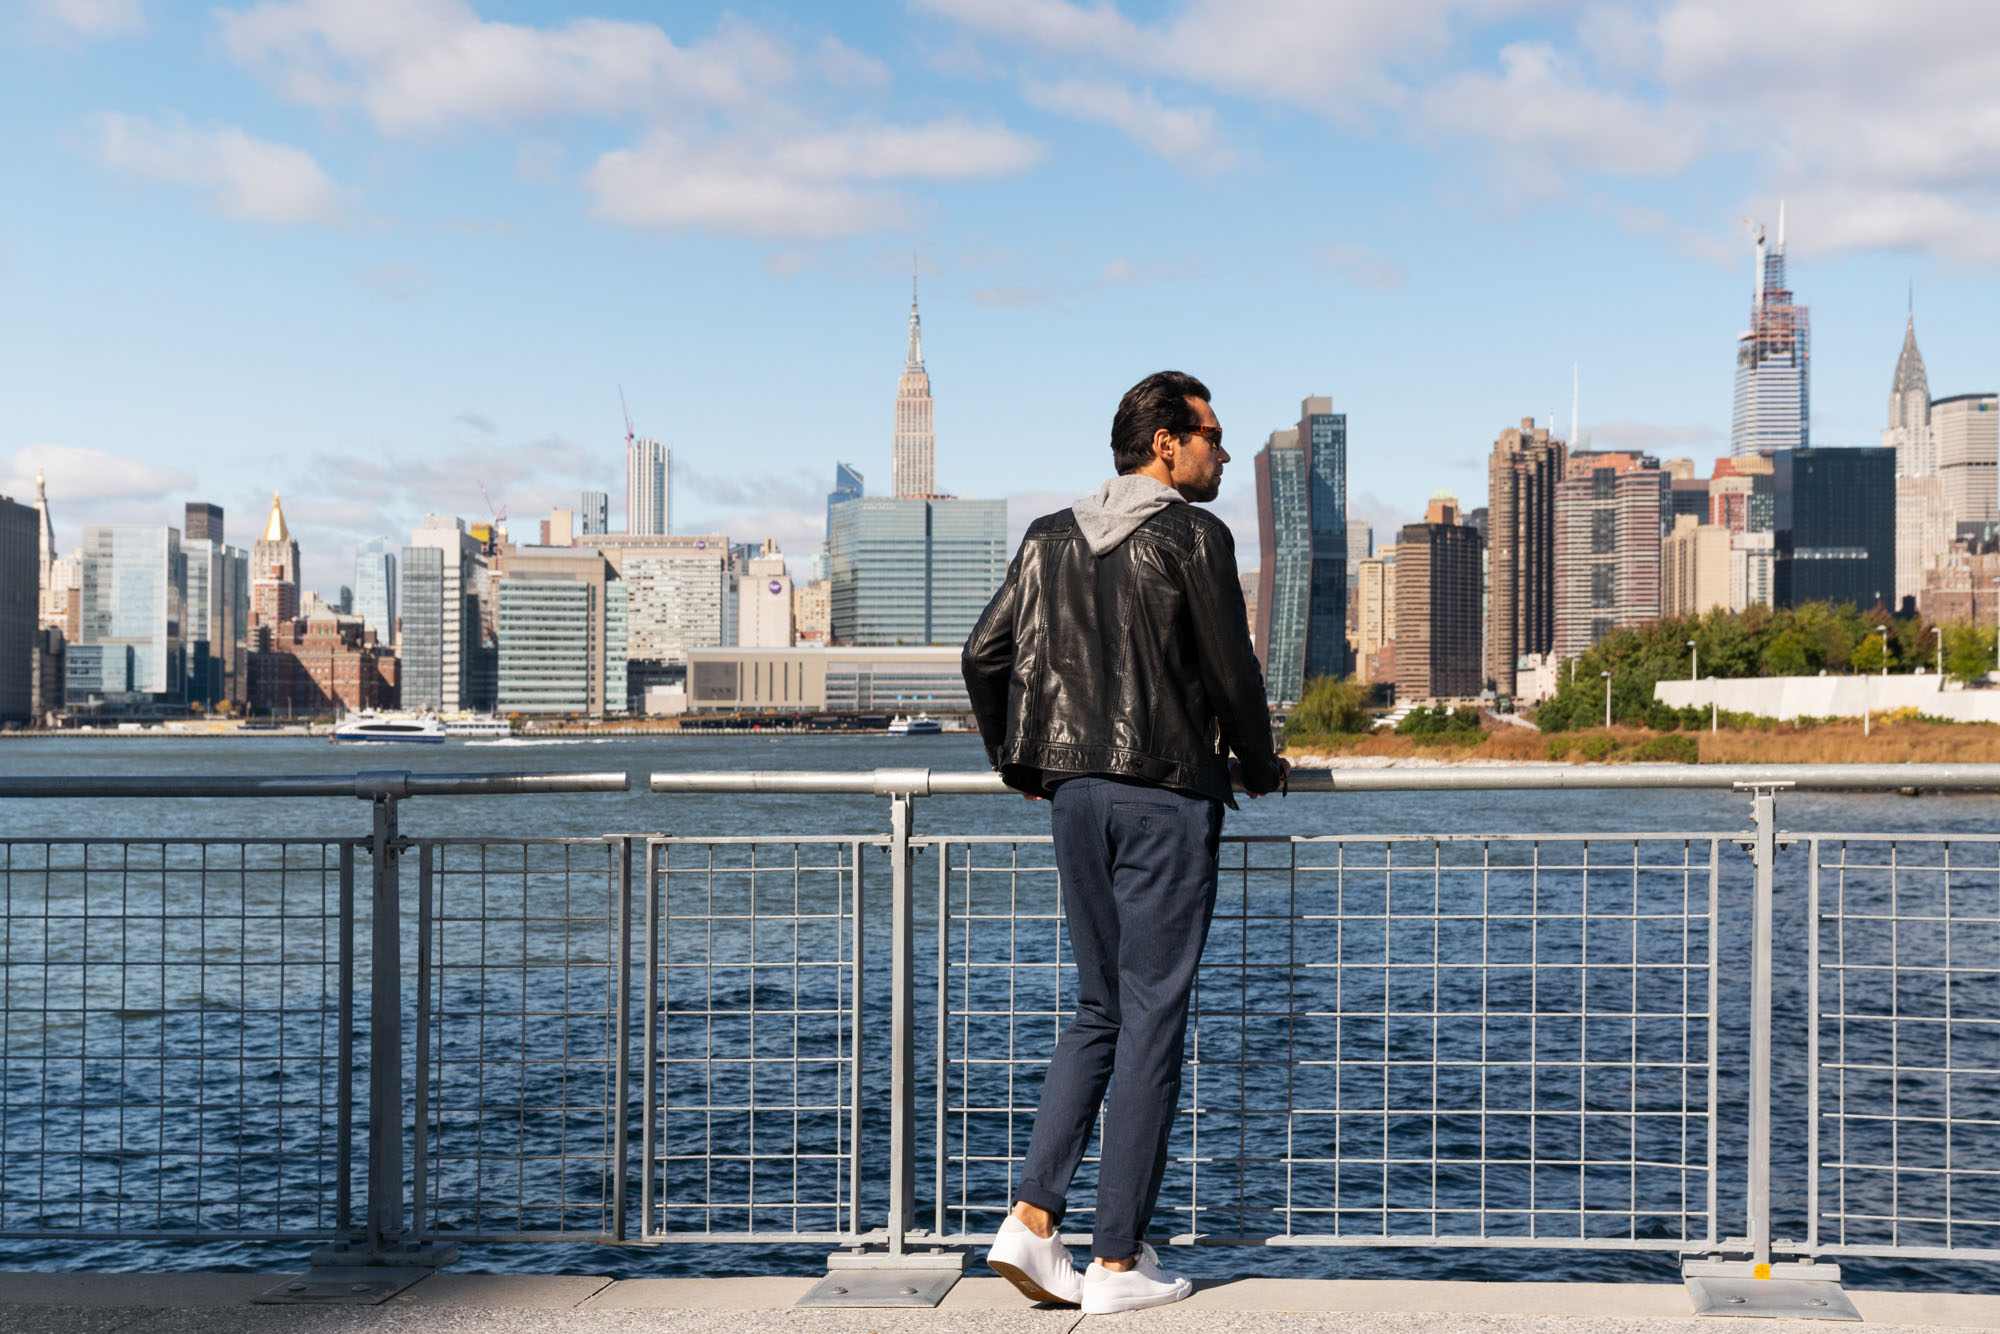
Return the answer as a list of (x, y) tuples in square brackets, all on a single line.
[(1787, 697)]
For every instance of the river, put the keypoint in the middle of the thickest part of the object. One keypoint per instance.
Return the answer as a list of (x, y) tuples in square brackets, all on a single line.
[(641, 812)]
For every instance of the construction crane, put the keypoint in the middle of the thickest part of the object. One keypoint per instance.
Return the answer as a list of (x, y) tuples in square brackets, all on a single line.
[(627, 414), (500, 514)]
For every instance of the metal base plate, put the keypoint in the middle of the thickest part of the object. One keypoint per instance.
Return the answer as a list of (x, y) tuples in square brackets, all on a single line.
[(1771, 1298), (345, 1285), (881, 1287)]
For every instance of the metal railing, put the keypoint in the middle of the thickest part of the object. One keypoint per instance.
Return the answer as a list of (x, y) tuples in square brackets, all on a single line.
[(1566, 1040)]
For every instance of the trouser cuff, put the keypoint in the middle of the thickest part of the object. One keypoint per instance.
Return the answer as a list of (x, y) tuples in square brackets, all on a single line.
[(1042, 1199)]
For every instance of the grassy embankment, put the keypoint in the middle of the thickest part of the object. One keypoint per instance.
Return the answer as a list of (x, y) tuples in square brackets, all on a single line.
[(1890, 741)]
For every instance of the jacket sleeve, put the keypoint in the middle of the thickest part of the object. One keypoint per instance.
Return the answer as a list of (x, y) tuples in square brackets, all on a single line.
[(988, 663), (1230, 673)]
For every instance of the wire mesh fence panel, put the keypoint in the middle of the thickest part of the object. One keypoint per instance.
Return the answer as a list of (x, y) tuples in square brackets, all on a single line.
[(171, 1037), (754, 1105), (1904, 1046), (1457, 1041), (518, 1030)]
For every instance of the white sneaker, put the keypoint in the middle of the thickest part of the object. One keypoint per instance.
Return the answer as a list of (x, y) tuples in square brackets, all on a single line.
[(1144, 1284), (1040, 1267)]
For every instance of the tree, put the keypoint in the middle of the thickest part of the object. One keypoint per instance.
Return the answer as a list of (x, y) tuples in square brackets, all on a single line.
[(1332, 706), (1869, 656), (1968, 651), (1789, 653)]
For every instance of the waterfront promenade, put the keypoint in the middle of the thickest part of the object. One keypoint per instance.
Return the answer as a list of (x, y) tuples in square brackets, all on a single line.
[(582, 1304)]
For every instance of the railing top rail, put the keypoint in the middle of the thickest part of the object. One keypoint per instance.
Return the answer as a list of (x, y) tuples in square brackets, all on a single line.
[(366, 785), (1444, 778)]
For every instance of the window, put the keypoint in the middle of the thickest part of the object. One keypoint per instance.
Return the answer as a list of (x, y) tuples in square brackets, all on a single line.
[(1603, 532), (1603, 586)]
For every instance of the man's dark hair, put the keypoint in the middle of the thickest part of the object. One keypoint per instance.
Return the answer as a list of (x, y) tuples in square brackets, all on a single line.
[(1160, 401)]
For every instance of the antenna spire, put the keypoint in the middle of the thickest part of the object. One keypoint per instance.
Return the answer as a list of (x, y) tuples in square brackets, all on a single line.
[(1575, 397)]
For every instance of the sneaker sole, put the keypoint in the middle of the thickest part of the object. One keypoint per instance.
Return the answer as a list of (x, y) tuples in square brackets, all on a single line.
[(1032, 1290), (1139, 1303)]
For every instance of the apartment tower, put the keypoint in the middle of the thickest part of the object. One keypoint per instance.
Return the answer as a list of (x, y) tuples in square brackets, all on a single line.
[(1521, 477)]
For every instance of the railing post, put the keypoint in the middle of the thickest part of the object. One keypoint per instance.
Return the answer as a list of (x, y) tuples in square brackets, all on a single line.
[(1763, 812), (902, 1029), (1752, 1287), (897, 1275), (385, 1236)]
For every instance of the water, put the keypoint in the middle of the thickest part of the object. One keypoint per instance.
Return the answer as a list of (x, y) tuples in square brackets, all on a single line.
[(639, 811)]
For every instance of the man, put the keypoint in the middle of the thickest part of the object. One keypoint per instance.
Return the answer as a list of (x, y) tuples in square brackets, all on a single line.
[(1113, 674)]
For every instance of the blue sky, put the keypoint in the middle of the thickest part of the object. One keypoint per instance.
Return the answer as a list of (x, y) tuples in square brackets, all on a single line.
[(370, 253)]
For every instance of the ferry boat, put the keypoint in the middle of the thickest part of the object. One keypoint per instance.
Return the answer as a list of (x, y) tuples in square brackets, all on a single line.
[(407, 728), (478, 727), (921, 725)]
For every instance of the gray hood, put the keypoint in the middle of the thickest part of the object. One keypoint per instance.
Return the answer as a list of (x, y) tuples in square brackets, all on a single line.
[(1119, 507)]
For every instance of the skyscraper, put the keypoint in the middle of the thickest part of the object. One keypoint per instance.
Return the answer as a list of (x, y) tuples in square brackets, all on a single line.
[(1773, 406), (560, 616), (1521, 477), (218, 610), (135, 603), (420, 673), (593, 516), (914, 571), (450, 596), (1909, 430), (1835, 526), (846, 486), (914, 453), (275, 554), (20, 596), (1437, 605), (1302, 582), (204, 523), (375, 588), (648, 488), (1967, 427), (1612, 512), (1284, 571)]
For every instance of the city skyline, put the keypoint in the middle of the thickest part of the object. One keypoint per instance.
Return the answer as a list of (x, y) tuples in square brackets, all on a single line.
[(474, 292)]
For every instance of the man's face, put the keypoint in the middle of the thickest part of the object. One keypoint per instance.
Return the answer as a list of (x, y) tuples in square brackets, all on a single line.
[(1195, 470)]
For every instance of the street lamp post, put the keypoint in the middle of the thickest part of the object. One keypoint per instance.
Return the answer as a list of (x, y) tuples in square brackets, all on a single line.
[(1694, 660), (1711, 704), (1883, 630), (1938, 630), (1607, 698)]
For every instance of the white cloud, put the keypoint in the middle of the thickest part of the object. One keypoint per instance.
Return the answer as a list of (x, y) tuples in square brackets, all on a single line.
[(1542, 114), (1338, 59), (81, 475), (1185, 136), (814, 185), (417, 67), (249, 179), (90, 18)]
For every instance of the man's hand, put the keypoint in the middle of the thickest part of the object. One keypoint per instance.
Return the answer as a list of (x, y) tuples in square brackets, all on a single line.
[(1284, 776)]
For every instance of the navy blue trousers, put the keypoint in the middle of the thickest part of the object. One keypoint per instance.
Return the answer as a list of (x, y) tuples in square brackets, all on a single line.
[(1138, 885)]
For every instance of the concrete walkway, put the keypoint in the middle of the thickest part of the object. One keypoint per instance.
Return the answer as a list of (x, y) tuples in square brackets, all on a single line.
[(37, 1303)]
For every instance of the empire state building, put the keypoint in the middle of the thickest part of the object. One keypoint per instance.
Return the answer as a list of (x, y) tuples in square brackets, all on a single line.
[(914, 454)]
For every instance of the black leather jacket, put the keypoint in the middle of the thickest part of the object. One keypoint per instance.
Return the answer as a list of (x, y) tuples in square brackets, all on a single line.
[(1137, 663)]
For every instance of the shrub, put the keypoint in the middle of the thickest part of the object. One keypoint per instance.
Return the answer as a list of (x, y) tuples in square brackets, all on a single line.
[(1596, 749), (1559, 748), (1675, 749), (1662, 719)]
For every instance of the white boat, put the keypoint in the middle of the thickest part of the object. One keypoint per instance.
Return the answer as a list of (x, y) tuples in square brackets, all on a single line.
[(478, 727), (407, 728), (921, 725)]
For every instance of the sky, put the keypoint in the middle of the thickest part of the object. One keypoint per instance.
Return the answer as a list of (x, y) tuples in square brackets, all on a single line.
[(370, 254)]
